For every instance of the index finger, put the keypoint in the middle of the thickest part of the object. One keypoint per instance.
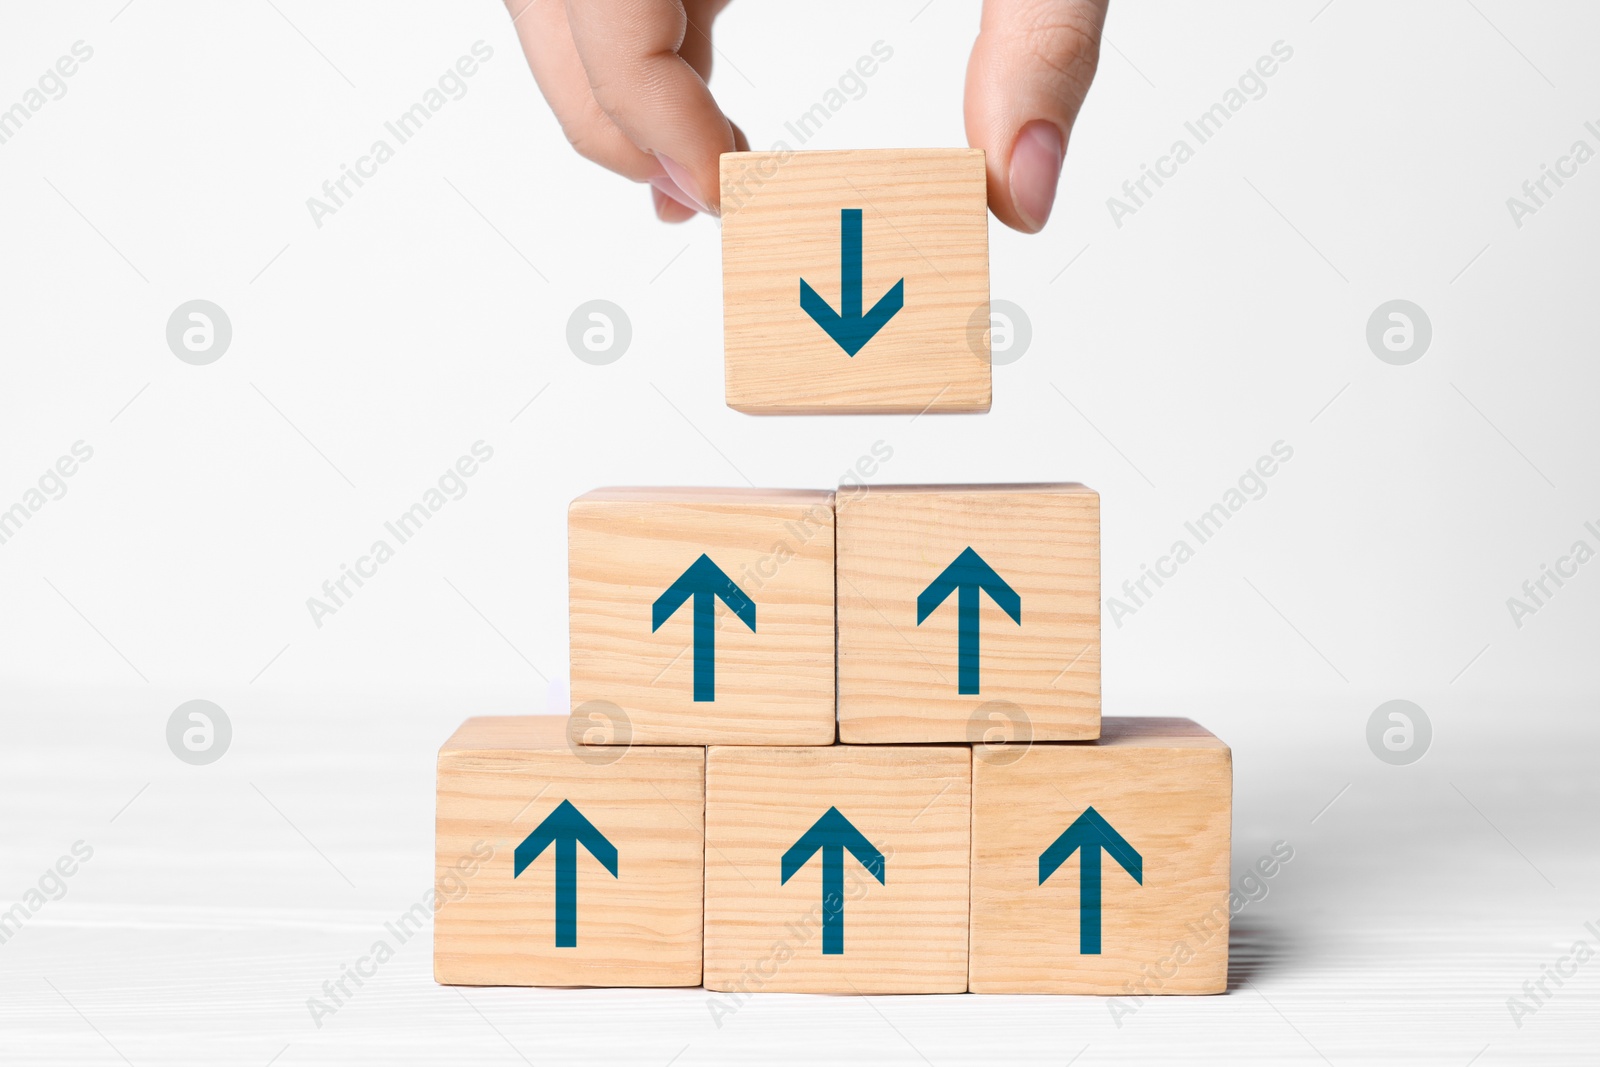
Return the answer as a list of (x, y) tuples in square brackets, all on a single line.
[(631, 51)]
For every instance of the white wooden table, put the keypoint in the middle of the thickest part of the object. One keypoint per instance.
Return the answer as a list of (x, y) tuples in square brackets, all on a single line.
[(219, 899)]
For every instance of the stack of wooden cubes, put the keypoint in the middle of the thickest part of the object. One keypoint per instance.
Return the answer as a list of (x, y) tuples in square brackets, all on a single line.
[(842, 742)]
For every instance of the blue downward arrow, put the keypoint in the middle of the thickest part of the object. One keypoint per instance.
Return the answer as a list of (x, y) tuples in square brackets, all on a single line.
[(833, 833), (1090, 833), (967, 574), (706, 582), (566, 827), (849, 328)]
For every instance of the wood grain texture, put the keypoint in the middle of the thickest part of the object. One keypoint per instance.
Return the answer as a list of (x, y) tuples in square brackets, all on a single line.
[(924, 219), (773, 686), (907, 935), (898, 681), (1165, 785), (498, 778)]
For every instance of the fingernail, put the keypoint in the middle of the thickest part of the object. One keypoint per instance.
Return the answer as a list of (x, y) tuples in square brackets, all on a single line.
[(1035, 172), (669, 188), (684, 182)]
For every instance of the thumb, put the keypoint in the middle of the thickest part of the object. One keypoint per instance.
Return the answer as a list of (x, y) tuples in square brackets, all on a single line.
[(1030, 70)]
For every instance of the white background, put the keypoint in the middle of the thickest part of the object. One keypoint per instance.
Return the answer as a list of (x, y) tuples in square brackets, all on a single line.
[(429, 313)]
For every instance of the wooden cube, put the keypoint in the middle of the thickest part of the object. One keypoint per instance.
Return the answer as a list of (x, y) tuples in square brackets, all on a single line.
[(704, 616), (969, 613), (564, 866), (1103, 867), (840, 869), (855, 281)]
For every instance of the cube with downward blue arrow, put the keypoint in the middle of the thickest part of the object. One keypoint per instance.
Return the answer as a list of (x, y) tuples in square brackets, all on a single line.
[(838, 869), (561, 864), (969, 613), (1102, 867), (704, 616), (856, 281)]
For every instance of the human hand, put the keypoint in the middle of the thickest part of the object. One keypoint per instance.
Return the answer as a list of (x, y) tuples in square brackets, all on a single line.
[(627, 81)]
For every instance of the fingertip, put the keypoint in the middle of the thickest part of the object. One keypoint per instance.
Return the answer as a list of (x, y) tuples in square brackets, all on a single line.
[(668, 209), (667, 187), (1030, 70), (688, 183)]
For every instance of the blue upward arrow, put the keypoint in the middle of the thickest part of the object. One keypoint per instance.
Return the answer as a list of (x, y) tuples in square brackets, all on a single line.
[(706, 582), (1090, 833), (967, 574), (566, 827), (849, 328), (833, 833)]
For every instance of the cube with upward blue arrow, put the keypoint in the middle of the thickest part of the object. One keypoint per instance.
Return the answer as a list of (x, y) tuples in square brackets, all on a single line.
[(704, 616), (1103, 867), (855, 281), (969, 613), (559, 864), (837, 869)]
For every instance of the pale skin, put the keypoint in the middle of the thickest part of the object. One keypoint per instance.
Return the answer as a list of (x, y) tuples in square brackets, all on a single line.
[(627, 81)]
